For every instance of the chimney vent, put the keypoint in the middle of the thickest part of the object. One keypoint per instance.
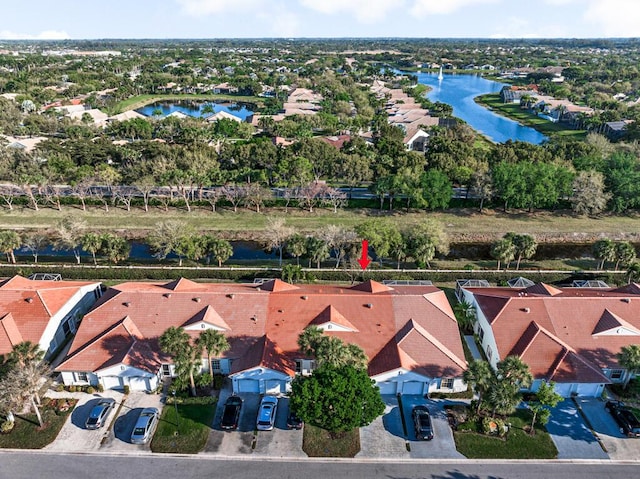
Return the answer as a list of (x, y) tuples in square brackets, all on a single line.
[(369, 305), (196, 299)]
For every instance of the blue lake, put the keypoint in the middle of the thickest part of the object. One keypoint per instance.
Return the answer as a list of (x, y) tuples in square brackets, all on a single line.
[(459, 92), (193, 108)]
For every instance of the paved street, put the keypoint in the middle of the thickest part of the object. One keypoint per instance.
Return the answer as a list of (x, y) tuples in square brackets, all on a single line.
[(29, 465)]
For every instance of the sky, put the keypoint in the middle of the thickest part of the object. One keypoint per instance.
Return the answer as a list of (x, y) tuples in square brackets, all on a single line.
[(91, 19)]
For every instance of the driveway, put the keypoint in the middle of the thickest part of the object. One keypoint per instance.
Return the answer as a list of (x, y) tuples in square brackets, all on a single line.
[(384, 437), (73, 436), (570, 434), (442, 446), (618, 446), (280, 442), (119, 437)]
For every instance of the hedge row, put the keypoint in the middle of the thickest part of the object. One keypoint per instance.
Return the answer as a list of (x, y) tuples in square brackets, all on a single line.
[(246, 274)]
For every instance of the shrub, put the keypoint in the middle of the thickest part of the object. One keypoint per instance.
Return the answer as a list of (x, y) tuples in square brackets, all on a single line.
[(203, 380), (493, 426), (218, 381), (6, 426), (60, 388), (72, 389), (90, 390), (126, 389), (100, 388)]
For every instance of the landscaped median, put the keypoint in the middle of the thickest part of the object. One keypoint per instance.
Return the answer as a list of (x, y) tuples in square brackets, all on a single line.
[(186, 432)]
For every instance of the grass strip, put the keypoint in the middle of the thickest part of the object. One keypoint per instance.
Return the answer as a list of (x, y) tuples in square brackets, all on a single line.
[(185, 433), (317, 442)]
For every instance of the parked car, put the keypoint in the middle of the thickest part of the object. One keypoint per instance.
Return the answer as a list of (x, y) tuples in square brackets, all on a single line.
[(267, 413), (231, 413), (293, 421), (98, 415), (145, 425), (422, 423), (628, 422)]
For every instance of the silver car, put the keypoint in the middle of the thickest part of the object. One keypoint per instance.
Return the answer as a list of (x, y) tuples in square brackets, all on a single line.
[(267, 413), (145, 426), (98, 415)]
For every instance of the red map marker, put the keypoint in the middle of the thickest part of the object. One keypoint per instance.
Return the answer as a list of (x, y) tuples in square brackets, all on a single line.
[(364, 261)]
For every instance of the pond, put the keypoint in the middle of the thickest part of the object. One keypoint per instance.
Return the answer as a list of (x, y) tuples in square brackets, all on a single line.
[(459, 91), (195, 108)]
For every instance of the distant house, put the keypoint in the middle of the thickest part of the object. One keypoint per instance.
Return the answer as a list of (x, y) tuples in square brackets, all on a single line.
[(614, 130), (510, 94), (416, 139), (409, 334), (567, 335), (223, 115), (41, 311), (225, 89)]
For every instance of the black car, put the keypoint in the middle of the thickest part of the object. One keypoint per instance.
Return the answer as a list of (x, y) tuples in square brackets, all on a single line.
[(422, 423), (293, 421), (628, 422), (231, 413)]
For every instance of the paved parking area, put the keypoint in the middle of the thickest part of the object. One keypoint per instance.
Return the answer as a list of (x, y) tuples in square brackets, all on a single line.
[(442, 446), (570, 434), (73, 436), (280, 442), (618, 446), (118, 438), (384, 437)]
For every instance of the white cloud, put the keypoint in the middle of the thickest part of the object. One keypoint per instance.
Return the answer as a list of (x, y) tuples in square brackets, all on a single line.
[(283, 23), (616, 18), (209, 7), (423, 8), (45, 35), (365, 11)]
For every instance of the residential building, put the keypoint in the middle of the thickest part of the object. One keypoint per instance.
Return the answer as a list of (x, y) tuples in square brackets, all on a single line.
[(43, 312), (567, 335), (409, 333)]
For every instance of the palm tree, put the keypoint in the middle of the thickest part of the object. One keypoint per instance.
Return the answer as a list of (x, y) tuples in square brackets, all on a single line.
[(465, 314), (177, 343), (309, 339), (503, 251), (604, 250), (525, 246), (629, 358), (318, 250), (214, 343), (625, 253), (91, 242), (633, 272), (9, 241), (503, 397), (513, 369), (220, 249), (297, 246), (479, 375)]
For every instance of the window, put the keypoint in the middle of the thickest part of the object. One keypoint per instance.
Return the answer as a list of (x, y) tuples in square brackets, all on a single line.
[(446, 383), (489, 352), (298, 366), (215, 365), (166, 370), (617, 373), (82, 377), (481, 334), (66, 329)]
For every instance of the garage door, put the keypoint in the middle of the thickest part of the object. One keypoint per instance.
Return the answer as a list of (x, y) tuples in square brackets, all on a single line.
[(112, 382), (412, 387), (138, 383), (248, 386), (387, 387), (276, 386)]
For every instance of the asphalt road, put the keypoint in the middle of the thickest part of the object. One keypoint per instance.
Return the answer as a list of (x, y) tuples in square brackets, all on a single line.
[(27, 465)]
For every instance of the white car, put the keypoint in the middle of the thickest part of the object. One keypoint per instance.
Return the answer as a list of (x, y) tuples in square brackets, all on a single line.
[(145, 426), (267, 413)]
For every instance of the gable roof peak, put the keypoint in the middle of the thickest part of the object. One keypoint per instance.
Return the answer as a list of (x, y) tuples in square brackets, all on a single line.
[(371, 286), (207, 315), (331, 315), (276, 286), (181, 284), (542, 289)]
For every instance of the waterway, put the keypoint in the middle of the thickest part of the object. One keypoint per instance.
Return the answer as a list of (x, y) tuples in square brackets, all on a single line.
[(194, 108), (459, 91)]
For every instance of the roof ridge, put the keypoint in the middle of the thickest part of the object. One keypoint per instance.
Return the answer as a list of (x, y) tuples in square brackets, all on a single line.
[(44, 304), (437, 306), (429, 337)]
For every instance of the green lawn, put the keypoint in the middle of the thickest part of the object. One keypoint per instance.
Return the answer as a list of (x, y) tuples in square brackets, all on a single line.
[(518, 444), (463, 224), (317, 442), (139, 101), (194, 423), (27, 433), (513, 111)]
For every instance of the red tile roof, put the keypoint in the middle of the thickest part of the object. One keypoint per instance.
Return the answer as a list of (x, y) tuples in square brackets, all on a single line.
[(563, 332), (31, 304), (263, 326)]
